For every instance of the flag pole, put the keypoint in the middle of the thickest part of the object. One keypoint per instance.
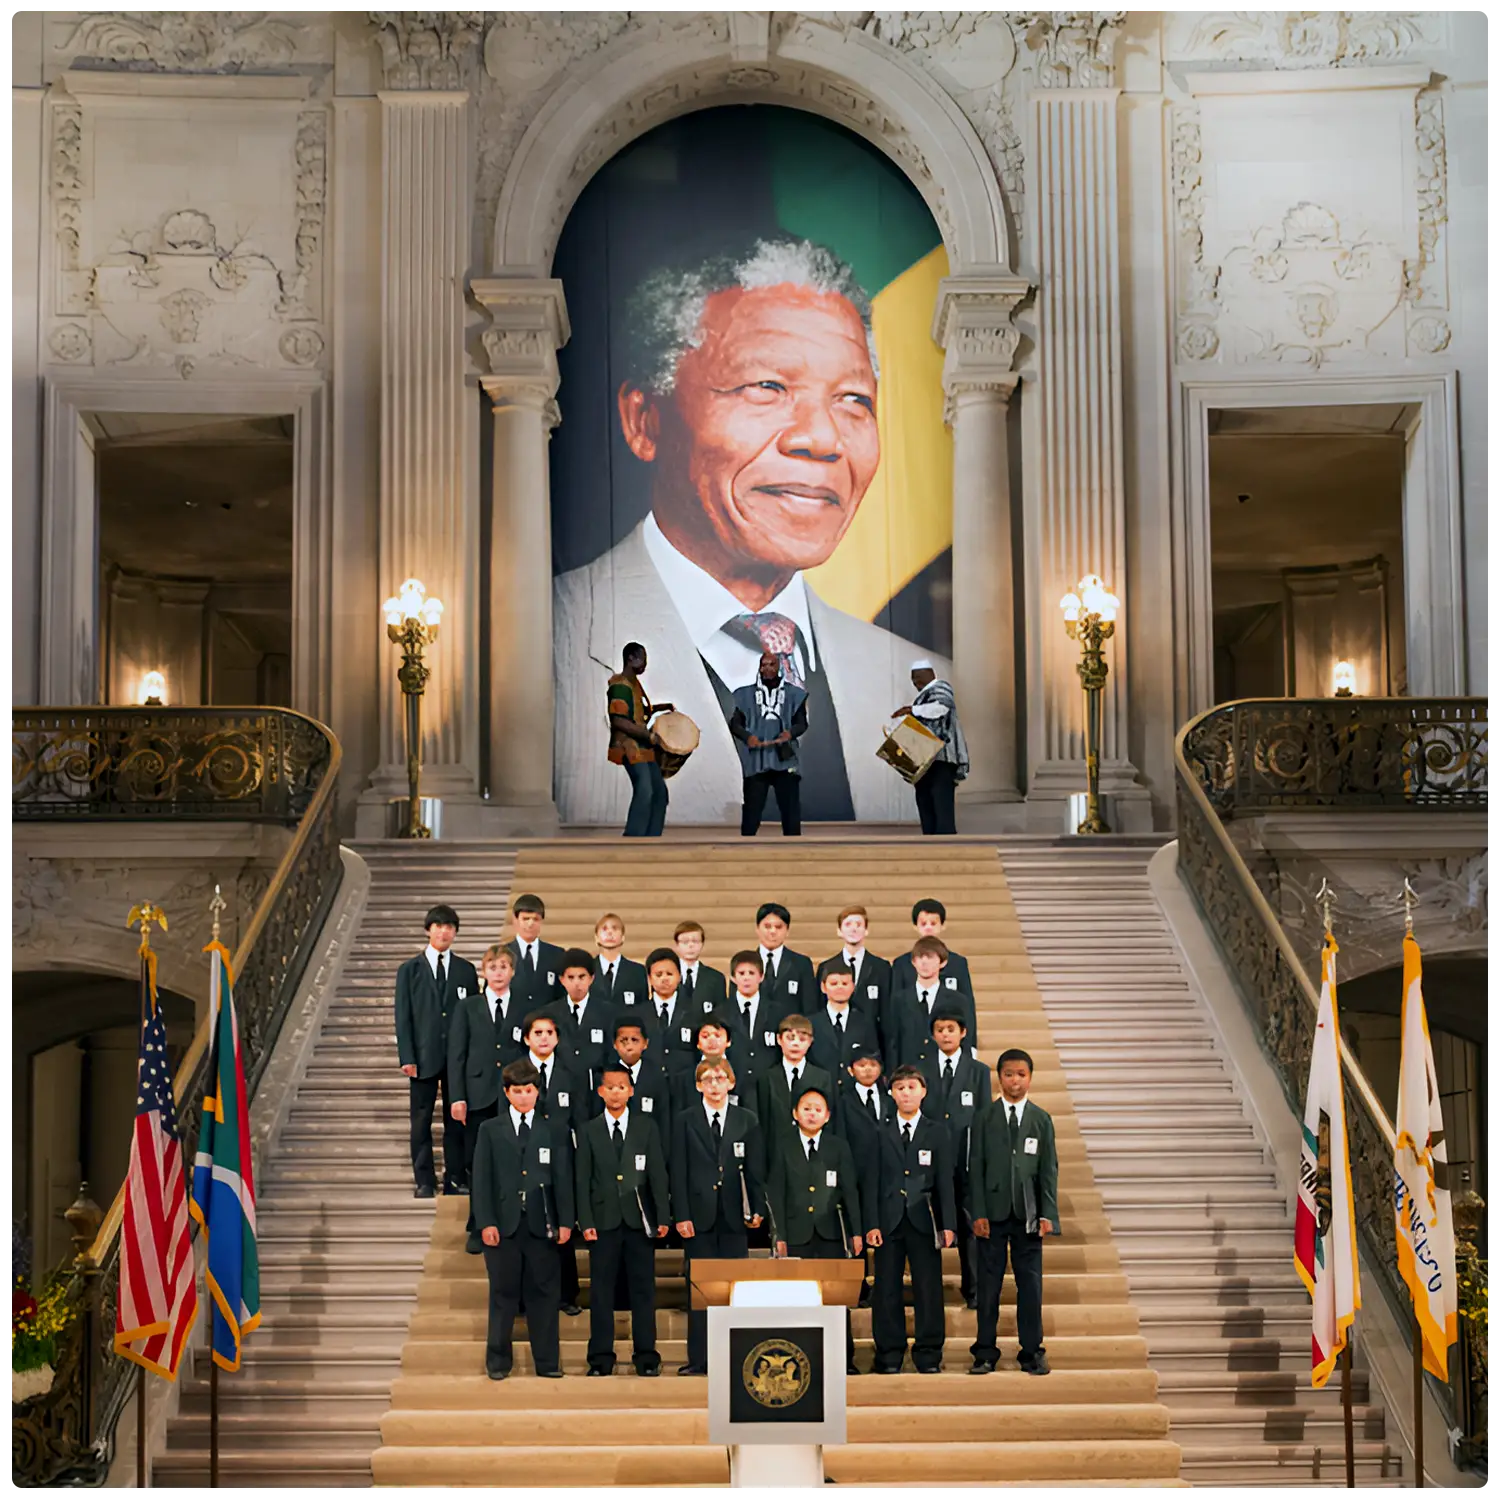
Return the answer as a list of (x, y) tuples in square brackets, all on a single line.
[(1346, 1361), (1409, 899), (215, 906)]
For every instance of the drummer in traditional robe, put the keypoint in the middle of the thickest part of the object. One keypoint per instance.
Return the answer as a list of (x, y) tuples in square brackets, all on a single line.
[(770, 716), (936, 706), (631, 745)]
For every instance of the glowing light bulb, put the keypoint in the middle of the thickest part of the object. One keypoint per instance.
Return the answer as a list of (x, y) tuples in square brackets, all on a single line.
[(1343, 679), (1072, 607), (154, 689)]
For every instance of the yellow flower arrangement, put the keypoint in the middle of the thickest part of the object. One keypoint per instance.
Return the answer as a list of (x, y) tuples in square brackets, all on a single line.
[(38, 1324)]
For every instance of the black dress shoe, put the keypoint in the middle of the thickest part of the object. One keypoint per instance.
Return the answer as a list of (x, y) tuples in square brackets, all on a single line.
[(551, 1374), (886, 1370), (691, 1370), (497, 1374), (455, 1190), (1037, 1365), (474, 1245), (982, 1367), (648, 1370), (854, 1369), (929, 1369), (971, 1302), (571, 1310), (424, 1190), (594, 1370)]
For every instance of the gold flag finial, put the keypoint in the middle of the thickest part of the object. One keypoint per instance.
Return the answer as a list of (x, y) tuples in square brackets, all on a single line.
[(143, 916), (1409, 899), (1326, 901), (216, 906)]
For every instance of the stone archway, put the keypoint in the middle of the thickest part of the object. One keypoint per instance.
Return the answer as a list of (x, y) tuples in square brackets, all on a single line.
[(844, 75), (859, 82)]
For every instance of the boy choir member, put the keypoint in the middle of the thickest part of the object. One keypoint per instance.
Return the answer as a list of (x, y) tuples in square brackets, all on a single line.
[(929, 916), (585, 1020), (538, 976), (562, 1096), (872, 974), (752, 1019), (840, 1032), (1013, 1205), (862, 1110), (718, 1168), (910, 1222), (623, 1203), (523, 1205), (913, 1009), (620, 981), (703, 985), (429, 988), (653, 1093), (781, 1085), (788, 980), (483, 1035), (671, 1024), (713, 1047)]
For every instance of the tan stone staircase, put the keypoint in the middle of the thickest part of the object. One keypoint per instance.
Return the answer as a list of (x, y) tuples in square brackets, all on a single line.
[(341, 1238), (1201, 1220), (1095, 1420)]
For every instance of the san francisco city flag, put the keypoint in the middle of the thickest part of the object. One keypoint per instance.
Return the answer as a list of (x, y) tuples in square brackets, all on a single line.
[(223, 1188), (1325, 1256), (1424, 1218)]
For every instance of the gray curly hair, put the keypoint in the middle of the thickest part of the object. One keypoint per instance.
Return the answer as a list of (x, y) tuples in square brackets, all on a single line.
[(663, 314)]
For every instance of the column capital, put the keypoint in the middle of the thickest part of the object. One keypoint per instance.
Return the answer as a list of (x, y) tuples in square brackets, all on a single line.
[(528, 324), (518, 393), (426, 49), (972, 323), (1076, 48)]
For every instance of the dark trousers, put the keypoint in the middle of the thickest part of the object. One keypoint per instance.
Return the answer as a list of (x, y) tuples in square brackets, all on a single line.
[(817, 1248), (788, 801), (648, 800), (567, 1262), (1025, 1252), (908, 1244), (968, 1255), (477, 1115), (935, 797), (424, 1094), (522, 1266), (613, 1248), (723, 1242)]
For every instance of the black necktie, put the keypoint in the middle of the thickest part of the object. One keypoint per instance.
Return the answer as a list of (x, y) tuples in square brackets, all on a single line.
[(947, 1076), (531, 960), (838, 1022), (523, 1130), (546, 1078), (792, 1084), (870, 1107), (619, 1136), (745, 1010), (718, 1129), (906, 1131), (661, 1011), (687, 984), (609, 977), (812, 1149), (771, 969), (442, 975), (1015, 1123)]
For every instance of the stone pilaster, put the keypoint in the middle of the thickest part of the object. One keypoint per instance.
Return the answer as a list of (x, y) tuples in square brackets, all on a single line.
[(428, 527), (1076, 520), (529, 323), (972, 322)]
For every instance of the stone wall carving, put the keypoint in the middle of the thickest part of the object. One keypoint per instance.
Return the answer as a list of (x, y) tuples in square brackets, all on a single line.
[(1074, 48), (1313, 284), (228, 274), (203, 41), (1301, 39), (427, 49)]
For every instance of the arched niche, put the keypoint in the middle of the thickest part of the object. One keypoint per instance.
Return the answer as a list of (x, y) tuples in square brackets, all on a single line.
[(844, 76)]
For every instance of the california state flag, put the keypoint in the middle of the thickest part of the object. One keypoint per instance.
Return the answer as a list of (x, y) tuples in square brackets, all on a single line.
[(1424, 1218), (1325, 1256)]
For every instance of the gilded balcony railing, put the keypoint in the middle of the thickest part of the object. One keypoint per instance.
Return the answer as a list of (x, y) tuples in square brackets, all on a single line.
[(1257, 756), (255, 764)]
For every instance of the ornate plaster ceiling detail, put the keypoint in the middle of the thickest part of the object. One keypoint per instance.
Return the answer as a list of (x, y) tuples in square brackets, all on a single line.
[(175, 41)]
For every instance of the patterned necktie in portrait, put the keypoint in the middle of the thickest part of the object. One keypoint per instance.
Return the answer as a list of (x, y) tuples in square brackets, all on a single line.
[(774, 633)]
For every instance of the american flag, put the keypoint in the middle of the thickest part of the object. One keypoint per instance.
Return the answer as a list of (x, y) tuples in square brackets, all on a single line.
[(158, 1298)]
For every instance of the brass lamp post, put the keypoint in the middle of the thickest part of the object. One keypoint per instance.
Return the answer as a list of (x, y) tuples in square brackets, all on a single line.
[(411, 622), (1089, 616)]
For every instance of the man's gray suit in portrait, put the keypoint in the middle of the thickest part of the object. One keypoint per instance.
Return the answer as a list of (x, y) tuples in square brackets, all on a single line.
[(751, 393)]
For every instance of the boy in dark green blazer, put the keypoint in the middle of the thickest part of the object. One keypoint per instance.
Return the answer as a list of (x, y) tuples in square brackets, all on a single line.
[(523, 1205), (623, 1206), (814, 1193), (780, 1086), (429, 989), (1013, 1206)]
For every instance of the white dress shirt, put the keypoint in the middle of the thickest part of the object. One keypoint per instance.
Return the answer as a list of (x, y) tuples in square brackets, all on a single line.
[(839, 1012), (754, 1003), (433, 956), (495, 1001), (542, 1065), (801, 1068), (854, 960), (635, 1070), (609, 967), (722, 1112), (1018, 1105), (927, 996), (690, 974), (865, 1090), (517, 1119), (705, 606), (623, 1120), (530, 950), (809, 1141), (771, 962)]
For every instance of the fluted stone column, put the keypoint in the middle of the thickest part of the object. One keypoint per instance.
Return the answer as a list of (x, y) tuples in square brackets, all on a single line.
[(973, 324), (429, 525), (1076, 513), (529, 323)]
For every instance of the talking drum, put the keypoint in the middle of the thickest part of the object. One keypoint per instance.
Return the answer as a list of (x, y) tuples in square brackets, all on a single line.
[(911, 747), (676, 738)]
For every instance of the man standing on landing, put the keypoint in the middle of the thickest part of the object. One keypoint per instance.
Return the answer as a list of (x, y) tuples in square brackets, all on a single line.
[(936, 706), (769, 717), (632, 746)]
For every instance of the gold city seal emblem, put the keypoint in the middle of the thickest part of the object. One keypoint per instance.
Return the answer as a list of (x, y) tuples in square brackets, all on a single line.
[(776, 1373)]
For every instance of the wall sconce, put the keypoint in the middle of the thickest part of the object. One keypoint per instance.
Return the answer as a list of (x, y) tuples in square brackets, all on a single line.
[(153, 690), (1343, 679), (411, 622), (1089, 616)]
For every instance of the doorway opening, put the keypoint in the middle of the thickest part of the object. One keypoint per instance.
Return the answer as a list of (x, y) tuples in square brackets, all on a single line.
[(195, 557), (1306, 531)]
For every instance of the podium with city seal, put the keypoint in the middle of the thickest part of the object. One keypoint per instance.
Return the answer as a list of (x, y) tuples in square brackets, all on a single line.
[(776, 1362)]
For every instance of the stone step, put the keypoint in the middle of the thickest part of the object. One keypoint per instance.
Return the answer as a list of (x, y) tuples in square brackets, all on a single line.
[(1148, 1289), (265, 1467), (1259, 1388), (306, 1432), (1248, 1462), (1186, 1350), (1281, 1424)]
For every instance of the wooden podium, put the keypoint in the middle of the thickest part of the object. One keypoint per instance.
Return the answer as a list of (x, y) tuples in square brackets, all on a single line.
[(776, 1363)]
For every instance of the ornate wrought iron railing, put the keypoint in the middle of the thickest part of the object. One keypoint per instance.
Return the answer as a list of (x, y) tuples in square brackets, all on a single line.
[(1262, 755), (257, 764)]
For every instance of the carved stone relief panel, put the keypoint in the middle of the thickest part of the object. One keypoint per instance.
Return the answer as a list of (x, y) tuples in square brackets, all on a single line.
[(1288, 253), (1302, 39), (187, 233), (202, 41)]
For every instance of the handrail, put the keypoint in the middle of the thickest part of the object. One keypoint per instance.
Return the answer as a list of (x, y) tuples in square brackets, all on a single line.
[(296, 900), (1257, 756)]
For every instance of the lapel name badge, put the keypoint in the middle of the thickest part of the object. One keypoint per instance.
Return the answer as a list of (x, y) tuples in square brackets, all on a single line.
[(630, 997), (1031, 1145), (544, 1155), (687, 1033), (873, 991), (791, 986), (966, 1098), (924, 1158), (463, 992), (640, 1162), (646, 1105), (952, 983), (831, 1178), (739, 1148), (596, 1035), (562, 1099)]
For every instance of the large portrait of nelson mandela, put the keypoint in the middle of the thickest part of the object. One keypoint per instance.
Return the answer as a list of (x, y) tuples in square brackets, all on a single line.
[(749, 397)]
